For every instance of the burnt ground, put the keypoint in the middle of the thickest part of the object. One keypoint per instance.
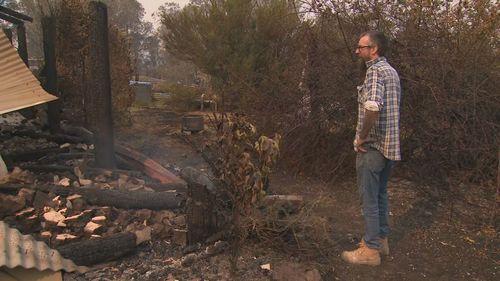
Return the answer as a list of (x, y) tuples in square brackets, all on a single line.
[(434, 237)]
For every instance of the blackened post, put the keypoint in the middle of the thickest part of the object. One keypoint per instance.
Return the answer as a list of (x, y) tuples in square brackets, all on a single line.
[(50, 85), (99, 87), (21, 41)]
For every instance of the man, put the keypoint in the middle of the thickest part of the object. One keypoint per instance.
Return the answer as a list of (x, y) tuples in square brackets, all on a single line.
[(377, 145)]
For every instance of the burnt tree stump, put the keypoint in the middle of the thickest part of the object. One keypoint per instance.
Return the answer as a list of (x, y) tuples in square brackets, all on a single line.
[(200, 217)]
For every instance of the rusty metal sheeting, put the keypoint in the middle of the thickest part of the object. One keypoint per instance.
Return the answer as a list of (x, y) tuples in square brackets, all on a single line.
[(23, 250), (19, 88)]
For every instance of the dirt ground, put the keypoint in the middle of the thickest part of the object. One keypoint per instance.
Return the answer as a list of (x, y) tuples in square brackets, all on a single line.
[(434, 237)]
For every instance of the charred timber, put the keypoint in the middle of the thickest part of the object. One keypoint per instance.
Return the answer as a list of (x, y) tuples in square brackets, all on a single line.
[(33, 155), (57, 138), (15, 14), (100, 250), (48, 168), (99, 89), (122, 199), (9, 18), (90, 171), (11, 188), (50, 85)]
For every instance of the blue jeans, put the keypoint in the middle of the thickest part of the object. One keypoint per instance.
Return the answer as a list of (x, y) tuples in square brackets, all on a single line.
[(373, 171)]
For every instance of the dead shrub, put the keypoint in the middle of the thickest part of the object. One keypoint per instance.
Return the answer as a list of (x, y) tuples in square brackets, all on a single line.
[(301, 230), (447, 57)]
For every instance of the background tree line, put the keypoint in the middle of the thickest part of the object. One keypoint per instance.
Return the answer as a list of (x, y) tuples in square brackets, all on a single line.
[(290, 65)]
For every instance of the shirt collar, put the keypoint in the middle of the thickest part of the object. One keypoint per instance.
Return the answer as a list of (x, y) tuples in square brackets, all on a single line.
[(374, 61)]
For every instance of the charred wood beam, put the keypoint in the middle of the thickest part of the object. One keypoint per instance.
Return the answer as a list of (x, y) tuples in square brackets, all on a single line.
[(122, 199), (11, 188), (57, 138), (48, 168), (33, 155), (9, 18), (66, 156), (100, 250), (71, 156), (90, 171), (15, 14), (143, 163), (99, 86), (50, 85), (22, 43), (159, 187)]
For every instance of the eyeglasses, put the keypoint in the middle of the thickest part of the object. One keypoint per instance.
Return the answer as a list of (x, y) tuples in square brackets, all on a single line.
[(362, 47)]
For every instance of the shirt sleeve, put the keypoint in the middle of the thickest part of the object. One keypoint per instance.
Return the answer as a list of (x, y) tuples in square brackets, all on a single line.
[(375, 90)]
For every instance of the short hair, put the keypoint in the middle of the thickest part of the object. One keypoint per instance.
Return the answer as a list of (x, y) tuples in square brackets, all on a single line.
[(379, 39)]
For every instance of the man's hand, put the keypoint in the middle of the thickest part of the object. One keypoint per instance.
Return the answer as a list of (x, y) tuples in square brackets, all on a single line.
[(359, 142), (362, 138)]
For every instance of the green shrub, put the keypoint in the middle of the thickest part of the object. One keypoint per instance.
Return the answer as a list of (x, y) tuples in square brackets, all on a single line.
[(182, 98)]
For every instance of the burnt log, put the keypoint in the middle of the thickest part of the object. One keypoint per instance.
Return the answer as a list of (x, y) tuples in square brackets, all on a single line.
[(71, 156), (23, 156), (11, 188), (100, 250), (112, 198), (48, 168), (92, 172), (134, 199), (81, 132), (122, 199), (159, 187), (57, 138), (143, 163)]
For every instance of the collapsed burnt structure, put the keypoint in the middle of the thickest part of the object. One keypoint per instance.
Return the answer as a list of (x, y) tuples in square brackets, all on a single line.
[(65, 190), (82, 194)]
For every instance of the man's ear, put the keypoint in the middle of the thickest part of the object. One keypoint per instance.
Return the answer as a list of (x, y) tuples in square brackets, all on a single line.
[(374, 50)]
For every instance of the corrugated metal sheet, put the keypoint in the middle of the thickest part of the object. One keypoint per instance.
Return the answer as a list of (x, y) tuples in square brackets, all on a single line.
[(19, 88), (23, 250)]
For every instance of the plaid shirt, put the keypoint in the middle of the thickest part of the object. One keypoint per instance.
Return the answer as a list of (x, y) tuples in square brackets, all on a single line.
[(382, 86)]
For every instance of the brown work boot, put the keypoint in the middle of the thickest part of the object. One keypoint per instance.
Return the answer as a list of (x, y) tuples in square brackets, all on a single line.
[(384, 246), (362, 255)]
